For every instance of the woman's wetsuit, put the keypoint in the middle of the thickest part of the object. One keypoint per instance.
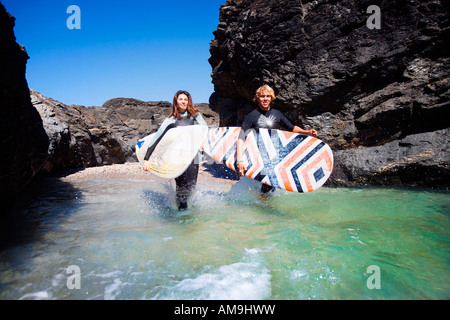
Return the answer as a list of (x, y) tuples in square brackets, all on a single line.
[(187, 181)]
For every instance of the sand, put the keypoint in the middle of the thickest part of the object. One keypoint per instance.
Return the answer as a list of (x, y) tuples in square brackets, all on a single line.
[(207, 173)]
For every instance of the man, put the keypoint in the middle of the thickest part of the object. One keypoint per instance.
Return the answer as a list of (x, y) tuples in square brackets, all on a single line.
[(264, 117)]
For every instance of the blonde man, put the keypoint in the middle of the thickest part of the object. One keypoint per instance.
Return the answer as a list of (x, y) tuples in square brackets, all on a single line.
[(265, 117)]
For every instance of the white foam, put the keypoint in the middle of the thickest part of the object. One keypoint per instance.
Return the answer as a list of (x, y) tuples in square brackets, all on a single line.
[(299, 274), (244, 280), (40, 295), (113, 290), (111, 274)]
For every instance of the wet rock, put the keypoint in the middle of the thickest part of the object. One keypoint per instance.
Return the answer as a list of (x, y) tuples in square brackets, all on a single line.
[(83, 137), (23, 142), (77, 138), (363, 89)]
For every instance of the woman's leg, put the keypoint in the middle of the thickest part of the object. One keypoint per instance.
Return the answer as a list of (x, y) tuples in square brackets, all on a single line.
[(185, 184)]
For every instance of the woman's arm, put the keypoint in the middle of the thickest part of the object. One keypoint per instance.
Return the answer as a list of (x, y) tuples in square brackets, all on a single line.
[(162, 128), (200, 120)]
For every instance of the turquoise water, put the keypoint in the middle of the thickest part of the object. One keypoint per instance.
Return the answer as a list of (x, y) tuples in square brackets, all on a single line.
[(129, 242)]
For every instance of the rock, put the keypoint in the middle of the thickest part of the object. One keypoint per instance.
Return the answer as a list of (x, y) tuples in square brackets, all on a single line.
[(417, 160), (83, 137), (42, 135), (362, 89), (77, 138), (131, 119), (23, 140)]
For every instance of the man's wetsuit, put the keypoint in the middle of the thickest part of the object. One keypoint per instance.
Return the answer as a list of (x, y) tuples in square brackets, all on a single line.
[(185, 183), (271, 119)]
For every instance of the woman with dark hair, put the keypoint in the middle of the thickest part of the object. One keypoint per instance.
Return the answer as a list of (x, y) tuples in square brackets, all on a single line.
[(183, 114)]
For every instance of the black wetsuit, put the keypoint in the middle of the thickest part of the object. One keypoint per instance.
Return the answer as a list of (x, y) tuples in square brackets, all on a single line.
[(271, 119), (187, 181)]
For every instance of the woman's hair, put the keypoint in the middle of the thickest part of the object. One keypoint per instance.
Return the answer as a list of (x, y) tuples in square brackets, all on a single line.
[(263, 89), (190, 107)]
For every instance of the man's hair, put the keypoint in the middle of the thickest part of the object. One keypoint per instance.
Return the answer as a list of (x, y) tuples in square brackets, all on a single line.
[(263, 89)]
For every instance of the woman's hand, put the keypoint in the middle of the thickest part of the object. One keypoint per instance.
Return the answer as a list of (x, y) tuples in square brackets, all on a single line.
[(144, 165)]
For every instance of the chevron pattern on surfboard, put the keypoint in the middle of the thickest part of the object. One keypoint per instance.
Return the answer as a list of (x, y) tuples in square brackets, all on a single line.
[(282, 159)]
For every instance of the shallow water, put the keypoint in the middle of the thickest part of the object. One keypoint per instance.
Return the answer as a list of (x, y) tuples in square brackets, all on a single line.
[(129, 242)]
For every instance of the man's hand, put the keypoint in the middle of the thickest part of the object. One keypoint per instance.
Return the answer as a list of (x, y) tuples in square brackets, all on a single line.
[(242, 169), (144, 165), (313, 133)]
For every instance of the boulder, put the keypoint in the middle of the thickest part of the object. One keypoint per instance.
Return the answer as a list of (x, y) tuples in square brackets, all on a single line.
[(23, 141), (363, 89), (77, 138), (82, 137)]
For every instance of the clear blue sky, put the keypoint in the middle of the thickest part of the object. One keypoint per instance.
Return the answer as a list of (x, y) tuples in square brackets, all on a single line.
[(141, 49)]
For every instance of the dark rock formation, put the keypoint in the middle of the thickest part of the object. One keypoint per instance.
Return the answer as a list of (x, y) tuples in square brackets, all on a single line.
[(379, 97), (83, 137), (42, 135), (77, 138), (131, 119), (23, 140)]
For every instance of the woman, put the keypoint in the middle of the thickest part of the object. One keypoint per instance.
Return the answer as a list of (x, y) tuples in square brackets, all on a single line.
[(183, 114), (264, 117)]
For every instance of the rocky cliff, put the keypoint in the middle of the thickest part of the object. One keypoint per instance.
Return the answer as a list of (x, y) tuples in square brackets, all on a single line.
[(132, 119), (379, 97), (23, 141), (41, 135), (83, 137), (77, 138)]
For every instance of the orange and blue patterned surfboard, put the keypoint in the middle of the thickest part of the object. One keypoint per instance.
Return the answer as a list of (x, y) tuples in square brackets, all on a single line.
[(282, 159)]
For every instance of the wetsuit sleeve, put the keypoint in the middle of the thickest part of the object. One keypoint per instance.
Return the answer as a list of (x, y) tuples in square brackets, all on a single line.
[(162, 128), (286, 123), (200, 120), (247, 124)]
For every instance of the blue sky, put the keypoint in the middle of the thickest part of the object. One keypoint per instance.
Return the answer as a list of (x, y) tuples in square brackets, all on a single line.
[(140, 49)]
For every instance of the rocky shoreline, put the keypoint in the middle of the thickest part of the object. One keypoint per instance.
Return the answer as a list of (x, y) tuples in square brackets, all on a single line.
[(82, 137), (379, 98), (133, 171)]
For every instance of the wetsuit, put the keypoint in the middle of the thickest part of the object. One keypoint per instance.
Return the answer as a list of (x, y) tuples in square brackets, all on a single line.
[(187, 181), (271, 119)]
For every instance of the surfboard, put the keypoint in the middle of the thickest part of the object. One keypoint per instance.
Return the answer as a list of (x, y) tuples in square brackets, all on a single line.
[(174, 152), (282, 159)]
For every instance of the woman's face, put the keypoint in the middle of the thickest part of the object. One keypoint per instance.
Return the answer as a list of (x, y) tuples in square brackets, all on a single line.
[(182, 102)]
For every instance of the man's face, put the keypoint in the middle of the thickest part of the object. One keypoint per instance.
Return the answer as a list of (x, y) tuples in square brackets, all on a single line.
[(264, 100)]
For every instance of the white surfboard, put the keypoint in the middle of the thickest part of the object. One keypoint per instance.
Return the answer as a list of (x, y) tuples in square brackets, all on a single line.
[(174, 152)]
